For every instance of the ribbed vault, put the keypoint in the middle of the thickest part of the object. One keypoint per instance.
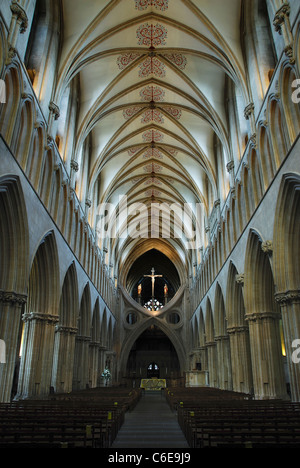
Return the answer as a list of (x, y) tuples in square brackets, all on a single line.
[(153, 127)]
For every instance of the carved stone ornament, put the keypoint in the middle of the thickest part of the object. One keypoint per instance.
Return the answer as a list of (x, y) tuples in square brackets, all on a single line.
[(289, 52), (40, 317), (74, 165), (12, 298), (286, 297), (240, 278), (20, 13), (54, 109), (267, 246), (11, 53), (280, 15), (249, 110)]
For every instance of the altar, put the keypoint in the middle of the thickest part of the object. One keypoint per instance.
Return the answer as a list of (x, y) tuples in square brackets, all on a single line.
[(153, 384)]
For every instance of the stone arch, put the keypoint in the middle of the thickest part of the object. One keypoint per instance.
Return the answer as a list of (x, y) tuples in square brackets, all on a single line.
[(256, 177), (82, 342), (104, 328), (291, 109), (14, 240), (278, 130), (8, 114), (234, 298), (47, 171), (14, 252), (94, 348), (287, 269), (36, 156), (238, 332), (65, 332), (263, 316), (132, 337), (210, 344), (222, 340), (39, 320), (266, 155), (24, 128)]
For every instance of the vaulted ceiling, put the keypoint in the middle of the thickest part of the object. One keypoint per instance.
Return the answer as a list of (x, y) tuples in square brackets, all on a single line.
[(152, 104)]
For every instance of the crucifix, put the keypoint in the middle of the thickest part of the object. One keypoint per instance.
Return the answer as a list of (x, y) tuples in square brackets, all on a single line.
[(153, 276)]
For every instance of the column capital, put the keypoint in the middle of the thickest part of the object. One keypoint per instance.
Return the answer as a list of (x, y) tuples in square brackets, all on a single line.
[(66, 330), (40, 317), (237, 329), (253, 317), (288, 297), (12, 297)]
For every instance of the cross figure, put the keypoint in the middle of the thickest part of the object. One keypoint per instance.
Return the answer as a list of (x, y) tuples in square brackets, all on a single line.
[(153, 276)]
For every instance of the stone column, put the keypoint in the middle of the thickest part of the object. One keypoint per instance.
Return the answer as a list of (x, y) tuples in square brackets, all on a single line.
[(224, 362), (11, 309), (102, 359), (240, 359), (37, 355), (212, 363), (289, 302), (93, 363), (81, 363), (64, 349), (267, 362)]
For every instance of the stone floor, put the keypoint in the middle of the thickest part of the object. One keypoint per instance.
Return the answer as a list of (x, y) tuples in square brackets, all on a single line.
[(152, 424)]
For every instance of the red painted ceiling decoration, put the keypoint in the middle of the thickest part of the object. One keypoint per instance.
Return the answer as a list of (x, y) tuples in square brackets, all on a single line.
[(152, 115), (130, 112), (134, 150), (161, 5), (153, 153), (152, 136), (177, 59), (151, 35), (152, 93), (152, 193), (152, 66), (153, 180), (153, 168), (174, 112), (125, 59), (171, 151)]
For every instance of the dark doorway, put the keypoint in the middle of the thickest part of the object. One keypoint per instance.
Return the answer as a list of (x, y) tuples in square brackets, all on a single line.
[(153, 347)]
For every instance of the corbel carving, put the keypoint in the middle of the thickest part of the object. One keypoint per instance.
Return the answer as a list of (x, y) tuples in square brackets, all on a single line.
[(280, 16), (240, 278), (230, 166), (267, 246), (74, 165), (11, 53), (21, 16), (54, 109), (249, 110)]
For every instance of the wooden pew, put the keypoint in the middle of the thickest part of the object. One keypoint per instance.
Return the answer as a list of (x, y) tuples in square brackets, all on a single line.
[(88, 419), (210, 418)]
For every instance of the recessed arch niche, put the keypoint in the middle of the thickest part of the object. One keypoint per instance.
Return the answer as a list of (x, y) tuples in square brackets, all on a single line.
[(165, 285)]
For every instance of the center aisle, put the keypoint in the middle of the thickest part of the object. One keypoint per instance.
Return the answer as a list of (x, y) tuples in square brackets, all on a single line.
[(152, 424)]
